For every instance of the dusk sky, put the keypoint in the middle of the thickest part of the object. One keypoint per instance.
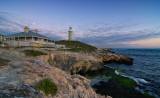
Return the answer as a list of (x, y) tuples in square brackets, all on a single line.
[(103, 23)]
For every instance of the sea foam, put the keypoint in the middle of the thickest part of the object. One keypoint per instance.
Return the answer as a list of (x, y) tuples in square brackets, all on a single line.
[(138, 80)]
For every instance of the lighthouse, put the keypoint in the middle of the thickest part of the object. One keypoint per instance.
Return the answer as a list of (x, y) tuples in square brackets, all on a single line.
[(70, 34)]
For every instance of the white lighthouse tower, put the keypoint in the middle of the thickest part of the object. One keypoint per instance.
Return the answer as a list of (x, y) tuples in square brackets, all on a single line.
[(70, 34)]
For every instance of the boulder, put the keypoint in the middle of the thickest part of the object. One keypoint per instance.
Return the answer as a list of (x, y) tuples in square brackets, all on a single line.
[(117, 59)]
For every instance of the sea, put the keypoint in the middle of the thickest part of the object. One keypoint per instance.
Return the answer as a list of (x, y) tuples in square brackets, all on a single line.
[(145, 69)]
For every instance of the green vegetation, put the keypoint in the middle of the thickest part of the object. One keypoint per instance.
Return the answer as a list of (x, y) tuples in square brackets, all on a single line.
[(89, 76), (119, 87), (120, 81), (4, 43), (110, 72), (47, 86), (77, 46), (120, 71), (145, 95), (22, 46), (46, 47), (4, 61), (34, 53), (125, 82)]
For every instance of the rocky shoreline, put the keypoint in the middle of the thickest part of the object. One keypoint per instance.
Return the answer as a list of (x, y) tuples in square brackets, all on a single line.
[(18, 78), (85, 63), (117, 86)]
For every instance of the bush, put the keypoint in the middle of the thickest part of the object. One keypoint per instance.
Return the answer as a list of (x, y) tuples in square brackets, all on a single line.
[(47, 86), (4, 61), (34, 53), (77, 46)]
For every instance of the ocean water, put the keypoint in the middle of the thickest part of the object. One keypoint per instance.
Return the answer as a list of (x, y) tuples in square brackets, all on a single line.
[(145, 69)]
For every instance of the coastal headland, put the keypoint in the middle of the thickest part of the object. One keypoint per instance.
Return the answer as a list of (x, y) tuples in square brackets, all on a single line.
[(68, 69)]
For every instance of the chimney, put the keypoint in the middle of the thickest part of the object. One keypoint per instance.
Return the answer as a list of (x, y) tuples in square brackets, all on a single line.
[(26, 29), (36, 31)]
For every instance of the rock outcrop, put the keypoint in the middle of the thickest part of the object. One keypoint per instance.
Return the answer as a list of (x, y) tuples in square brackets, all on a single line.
[(110, 57), (74, 63), (84, 63), (17, 79), (118, 59)]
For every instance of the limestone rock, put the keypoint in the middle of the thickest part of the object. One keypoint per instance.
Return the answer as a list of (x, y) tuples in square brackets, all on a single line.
[(74, 63), (110, 57), (118, 59), (18, 79)]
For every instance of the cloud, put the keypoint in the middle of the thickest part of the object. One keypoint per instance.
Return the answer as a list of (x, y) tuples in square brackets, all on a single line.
[(10, 23), (151, 42), (115, 34)]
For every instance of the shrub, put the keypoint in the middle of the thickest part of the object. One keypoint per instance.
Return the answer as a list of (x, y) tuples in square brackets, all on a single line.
[(47, 86), (34, 53), (4, 61), (77, 46)]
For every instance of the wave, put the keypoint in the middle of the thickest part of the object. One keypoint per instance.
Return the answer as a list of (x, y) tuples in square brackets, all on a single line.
[(138, 80)]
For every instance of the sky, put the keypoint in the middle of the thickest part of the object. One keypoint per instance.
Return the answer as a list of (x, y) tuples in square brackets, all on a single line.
[(102, 23)]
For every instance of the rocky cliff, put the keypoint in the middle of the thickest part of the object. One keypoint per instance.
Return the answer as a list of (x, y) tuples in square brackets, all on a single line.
[(74, 63), (110, 57), (84, 63), (18, 78)]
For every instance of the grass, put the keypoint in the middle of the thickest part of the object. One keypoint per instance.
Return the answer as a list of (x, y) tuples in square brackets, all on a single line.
[(4, 61), (34, 53), (47, 86), (77, 46)]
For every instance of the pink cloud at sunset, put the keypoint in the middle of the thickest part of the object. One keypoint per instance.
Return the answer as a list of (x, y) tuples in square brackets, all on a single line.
[(152, 42)]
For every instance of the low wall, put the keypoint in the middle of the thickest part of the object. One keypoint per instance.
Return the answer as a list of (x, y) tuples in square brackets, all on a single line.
[(18, 43), (34, 44)]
